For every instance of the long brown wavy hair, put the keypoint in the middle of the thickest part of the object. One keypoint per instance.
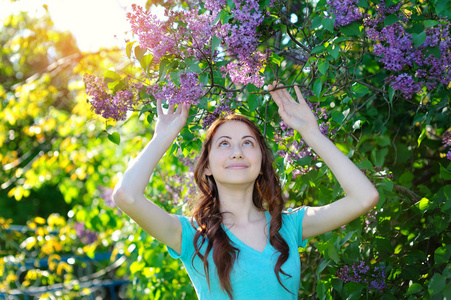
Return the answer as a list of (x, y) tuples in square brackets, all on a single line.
[(206, 211)]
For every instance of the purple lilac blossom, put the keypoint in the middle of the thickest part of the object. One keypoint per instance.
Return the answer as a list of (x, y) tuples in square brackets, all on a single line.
[(107, 195), (189, 91), (394, 46), (106, 105), (346, 11), (404, 83), (446, 139), (360, 273), (220, 110), (86, 236)]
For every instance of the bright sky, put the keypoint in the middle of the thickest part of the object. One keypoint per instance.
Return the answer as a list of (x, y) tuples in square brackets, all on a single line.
[(94, 23)]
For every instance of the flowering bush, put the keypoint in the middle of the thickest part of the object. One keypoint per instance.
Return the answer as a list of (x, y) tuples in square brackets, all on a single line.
[(375, 72), (377, 76)]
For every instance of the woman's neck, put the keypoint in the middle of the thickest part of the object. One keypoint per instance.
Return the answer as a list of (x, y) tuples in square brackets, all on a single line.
[(237, 205)]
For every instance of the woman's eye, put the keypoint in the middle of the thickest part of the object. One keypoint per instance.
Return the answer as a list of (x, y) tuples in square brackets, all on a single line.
[(223, 143), (248, 143)]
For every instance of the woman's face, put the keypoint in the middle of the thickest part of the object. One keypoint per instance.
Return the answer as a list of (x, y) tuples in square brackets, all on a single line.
[(235, 157)]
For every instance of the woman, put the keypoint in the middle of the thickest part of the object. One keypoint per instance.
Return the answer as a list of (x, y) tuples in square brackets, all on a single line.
[(239, 244)]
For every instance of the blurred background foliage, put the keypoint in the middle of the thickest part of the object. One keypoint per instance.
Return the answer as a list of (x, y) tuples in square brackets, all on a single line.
[(60, 161)]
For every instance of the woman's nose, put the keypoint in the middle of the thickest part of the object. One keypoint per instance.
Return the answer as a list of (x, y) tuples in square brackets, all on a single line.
[(236, 152)]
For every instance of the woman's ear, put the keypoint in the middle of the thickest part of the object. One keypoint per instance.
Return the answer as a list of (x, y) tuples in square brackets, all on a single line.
[(207, 172)]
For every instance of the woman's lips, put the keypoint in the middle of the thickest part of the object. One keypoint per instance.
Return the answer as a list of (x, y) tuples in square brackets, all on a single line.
[(237, 166)]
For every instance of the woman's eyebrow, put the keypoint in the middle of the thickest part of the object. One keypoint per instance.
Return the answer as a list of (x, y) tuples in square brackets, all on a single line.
[(248, 136), (224, 136)]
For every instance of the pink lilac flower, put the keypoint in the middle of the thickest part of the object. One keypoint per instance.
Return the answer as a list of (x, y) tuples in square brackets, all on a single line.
[(189, 91), (113, 106)]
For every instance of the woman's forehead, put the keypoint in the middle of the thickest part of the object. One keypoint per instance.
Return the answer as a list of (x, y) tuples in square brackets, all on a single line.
[(233, 129)]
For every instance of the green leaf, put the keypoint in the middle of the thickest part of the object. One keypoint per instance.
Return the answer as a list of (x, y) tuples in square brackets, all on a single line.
[(363, 3), (414, 288), (351, 29), (318, 49), (220, 16), (115, 138), (145, 108), (442, 254), (111, 76), (332, 253), (390, 19), (424, 204), (328, 23), (231, 4), (430, 23), (323, 66), (145, 61), (334, 50), (163, 68), (322, 266), (419, 39), (445, 173), (391, 93), (275, 59), (316, 22), (360, 90), (193, 65), (387, 185), (139, 52), (128, 49), (365, 164), (434, 51), (338, 116), (437, 284), (317, 87), (214, 44)]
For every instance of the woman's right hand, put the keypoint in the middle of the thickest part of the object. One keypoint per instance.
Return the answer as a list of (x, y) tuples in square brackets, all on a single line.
[(172, 121)]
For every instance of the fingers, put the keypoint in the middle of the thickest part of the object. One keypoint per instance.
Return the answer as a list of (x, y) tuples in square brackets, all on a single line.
[(299, 94), (281, 95), (159, 108), (185, 109)]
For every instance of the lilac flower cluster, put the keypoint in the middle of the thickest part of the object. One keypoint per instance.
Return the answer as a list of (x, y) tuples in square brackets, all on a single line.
[(415, 65), (447, 142), (183, 184), (107, 195), (189, 91), (375, 279), (114, 106), (242, 41), (221, 110), (370, 218), (345, 11), (86, 236), (168, 38)]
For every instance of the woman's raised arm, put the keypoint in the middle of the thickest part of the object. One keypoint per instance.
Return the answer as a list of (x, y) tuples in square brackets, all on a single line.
[(361, 195), (129, 191)]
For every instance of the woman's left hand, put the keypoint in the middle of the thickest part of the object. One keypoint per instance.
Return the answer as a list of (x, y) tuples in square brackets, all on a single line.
[(297, 115)]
